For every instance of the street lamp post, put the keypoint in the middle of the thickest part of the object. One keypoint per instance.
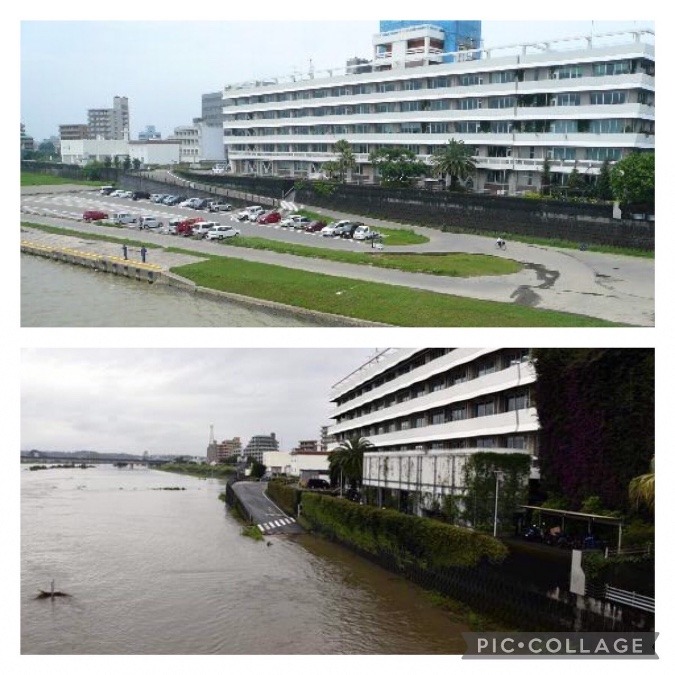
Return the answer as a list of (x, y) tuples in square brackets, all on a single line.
[(498, 476)]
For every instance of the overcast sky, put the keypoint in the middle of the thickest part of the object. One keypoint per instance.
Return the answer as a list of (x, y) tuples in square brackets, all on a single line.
[(164, 400), (163, 67)]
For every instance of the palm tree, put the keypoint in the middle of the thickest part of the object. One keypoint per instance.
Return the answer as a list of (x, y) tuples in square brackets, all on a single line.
[(454, 161), (347, 461), (642, 489)]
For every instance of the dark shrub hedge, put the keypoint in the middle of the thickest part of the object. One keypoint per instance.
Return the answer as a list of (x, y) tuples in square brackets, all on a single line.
[(411, 539), (285, 497)]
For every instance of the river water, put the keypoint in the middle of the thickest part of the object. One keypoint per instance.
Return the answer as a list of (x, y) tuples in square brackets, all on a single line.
[(153, 571), (57, 294)]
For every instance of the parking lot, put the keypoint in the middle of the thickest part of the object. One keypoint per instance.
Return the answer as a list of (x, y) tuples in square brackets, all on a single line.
[(611, 287)]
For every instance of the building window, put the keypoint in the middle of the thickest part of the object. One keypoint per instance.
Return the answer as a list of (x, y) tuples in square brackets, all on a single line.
[(566, 99), (439, 104), (517, 401), (566, 73), (457, 413), (602, 154), (515, 442), (470, 80), (564, 153), (611, 68), (485, 408), (438, 417), (608, 97), (499, 177), (502, 102), (469, 104)]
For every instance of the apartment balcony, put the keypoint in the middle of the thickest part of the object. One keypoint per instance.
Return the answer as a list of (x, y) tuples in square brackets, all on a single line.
[(514, 376)]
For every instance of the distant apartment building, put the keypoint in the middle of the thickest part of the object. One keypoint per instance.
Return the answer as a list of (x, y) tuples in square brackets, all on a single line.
[(564, 104), (218, 452), (199, 142), (426, 411), (110, 123), (307, 446), (74, 132), (260, 444), (212, 109), (324, 438), (27, 142)]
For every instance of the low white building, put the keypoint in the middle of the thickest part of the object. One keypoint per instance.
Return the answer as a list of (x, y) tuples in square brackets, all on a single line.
[(81, 151), (199, 142), (302, 465), (155, 152)]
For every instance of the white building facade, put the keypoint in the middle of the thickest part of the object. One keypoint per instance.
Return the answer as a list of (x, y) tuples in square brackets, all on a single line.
[(426, 411), (155, 152), (83, 151), (575, 102)]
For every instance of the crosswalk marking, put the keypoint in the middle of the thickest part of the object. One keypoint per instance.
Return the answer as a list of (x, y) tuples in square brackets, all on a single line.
[(261, 528)]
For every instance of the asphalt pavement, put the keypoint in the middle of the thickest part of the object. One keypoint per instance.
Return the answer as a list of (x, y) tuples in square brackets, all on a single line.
[(269, 518)]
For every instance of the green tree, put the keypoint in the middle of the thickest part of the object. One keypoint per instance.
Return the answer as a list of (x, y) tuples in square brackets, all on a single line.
[(346, 463), (107, 161), (603, 186), (126, 163), (546, 176), (575, 182), (454, 162), (642, 489), (257, 469), (633, 179), (397, 166), (136, 163), (345, 160)]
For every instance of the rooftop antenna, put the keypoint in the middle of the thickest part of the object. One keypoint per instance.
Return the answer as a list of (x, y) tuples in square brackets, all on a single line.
[(212, 440), (311, 70)]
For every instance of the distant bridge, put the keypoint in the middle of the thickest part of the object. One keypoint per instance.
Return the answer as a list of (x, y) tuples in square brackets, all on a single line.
[(45, 457)]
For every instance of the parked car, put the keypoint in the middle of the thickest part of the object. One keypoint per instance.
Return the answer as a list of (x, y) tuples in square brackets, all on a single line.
[(201, 204), (364, 232), (126, 194), (222, 232), (186, 226), (301, 223), (316, 226), (269, 218), (189, 203), (116, 193), (331, 230), (89, 216), (249, 213), (318, 484), (174, 199), (149, 223), (139, 194), (172, 226), (220, 206), (343, 227), (199, 230), (348, 230), (124, 218), (106, 189), (156, 198)]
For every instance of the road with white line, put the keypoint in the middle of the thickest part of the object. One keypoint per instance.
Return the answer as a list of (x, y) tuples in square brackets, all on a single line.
[(269, 518)]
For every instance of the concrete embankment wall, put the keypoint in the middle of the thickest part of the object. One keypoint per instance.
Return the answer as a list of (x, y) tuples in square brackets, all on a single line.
[(101, 263)]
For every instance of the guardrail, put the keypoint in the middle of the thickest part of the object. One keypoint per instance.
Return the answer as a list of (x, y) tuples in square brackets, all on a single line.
[(630, 598)]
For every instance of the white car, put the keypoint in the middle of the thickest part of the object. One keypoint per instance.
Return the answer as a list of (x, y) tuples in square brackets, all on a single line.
[(201, 229), (333, 228), (190, 203), (249, 213), (222, 232), (149, 223), (364, 232), (220, 206), (123, 218), (117, 193)]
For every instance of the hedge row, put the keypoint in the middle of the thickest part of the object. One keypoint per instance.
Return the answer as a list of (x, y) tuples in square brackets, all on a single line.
[(284, 496), (427, 543)]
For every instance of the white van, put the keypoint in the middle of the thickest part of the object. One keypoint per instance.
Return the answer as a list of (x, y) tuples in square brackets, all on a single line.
[(149, 223), (123, 218)]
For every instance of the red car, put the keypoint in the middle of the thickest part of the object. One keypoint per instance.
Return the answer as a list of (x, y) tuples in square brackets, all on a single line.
[(315, 226), (185, 227), (269, 218), (88, 216)]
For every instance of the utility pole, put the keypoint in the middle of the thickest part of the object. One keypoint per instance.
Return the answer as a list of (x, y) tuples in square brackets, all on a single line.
[(498, 476)]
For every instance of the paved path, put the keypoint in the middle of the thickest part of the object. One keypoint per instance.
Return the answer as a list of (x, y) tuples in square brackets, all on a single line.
[(610, 287), (269, 518)]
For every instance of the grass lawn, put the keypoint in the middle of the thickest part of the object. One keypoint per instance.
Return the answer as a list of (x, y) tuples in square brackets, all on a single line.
[(369, 301), (28, 179), (445, 264)]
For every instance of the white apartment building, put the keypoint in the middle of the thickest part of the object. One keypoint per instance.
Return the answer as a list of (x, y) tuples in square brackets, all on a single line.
[(427, 410), (85, 150), (199, 142), (575, 102)]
